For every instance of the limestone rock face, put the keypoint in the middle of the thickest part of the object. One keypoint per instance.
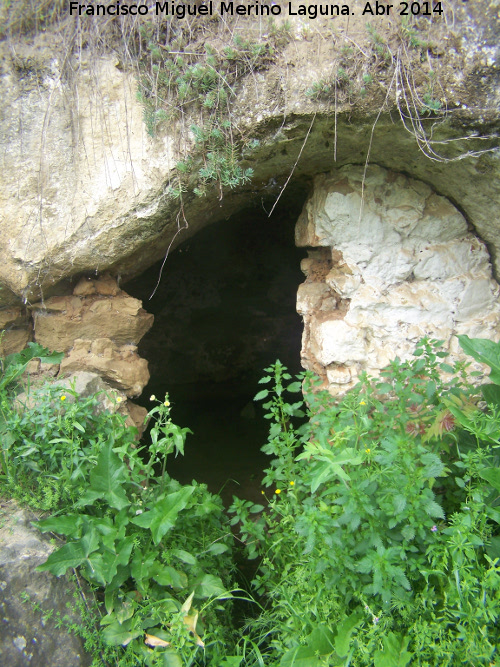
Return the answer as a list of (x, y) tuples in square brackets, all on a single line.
[(16, 330), (120, 366), (83, 186), (61, 320), (402, 265), (98, 328), (31, 602)]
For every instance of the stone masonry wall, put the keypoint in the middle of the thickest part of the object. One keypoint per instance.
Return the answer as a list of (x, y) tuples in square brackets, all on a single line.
[(392, 262), (98, 327)]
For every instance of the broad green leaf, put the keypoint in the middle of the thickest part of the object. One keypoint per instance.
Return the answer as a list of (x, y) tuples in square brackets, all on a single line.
[(399, 502), (94, 569), (256, 508), (300, 656), (164, 514), (485, 351), (261, 395), (90, 537), (321, 640), (210, 586), (68, 524), (231, 661), (171, 658), (295, 387), (111, 561), (326, 472), (408, 532), (492, 476), (493, 548), (106, 480), (491, 393), (344, 632), (169, 576), (68, 556), (394, 653), (217, 548), (185, 556), (433, 509), (123, 573), (143, 566), (116, 634), (319, 646), (493, 514), (434, 467)]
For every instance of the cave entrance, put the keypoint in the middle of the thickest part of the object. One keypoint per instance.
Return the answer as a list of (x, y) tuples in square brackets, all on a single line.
[(224, 310)]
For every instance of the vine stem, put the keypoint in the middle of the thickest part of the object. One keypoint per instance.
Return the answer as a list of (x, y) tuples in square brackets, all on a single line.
[(295, 165)]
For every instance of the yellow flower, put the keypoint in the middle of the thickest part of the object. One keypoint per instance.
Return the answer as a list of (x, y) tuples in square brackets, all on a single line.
[(368, 450), (118, 399), (166, 403), (63, 398), (362, 403), (278, 491), (292, 483), (263, 493)]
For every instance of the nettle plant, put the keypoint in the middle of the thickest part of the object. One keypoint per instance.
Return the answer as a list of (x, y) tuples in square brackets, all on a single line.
[(383, 522)]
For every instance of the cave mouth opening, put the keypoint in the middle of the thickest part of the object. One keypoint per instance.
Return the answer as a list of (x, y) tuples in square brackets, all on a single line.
[(224, 310)]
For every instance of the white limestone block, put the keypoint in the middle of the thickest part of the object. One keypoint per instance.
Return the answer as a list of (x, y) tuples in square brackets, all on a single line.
[(441, 221), (341, 223), (338, 374), (477, 298), (441, 261), (310, 297), (336, 341), (344, 280), (390, 265)]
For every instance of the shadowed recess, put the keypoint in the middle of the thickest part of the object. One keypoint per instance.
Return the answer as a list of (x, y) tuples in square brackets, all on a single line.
[(224, 310)]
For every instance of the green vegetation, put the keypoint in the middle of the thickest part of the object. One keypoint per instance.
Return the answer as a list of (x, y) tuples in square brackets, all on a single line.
[(377, 541), (23, 16), (324, 89), (174, 82), (160, 552), (384, 519)]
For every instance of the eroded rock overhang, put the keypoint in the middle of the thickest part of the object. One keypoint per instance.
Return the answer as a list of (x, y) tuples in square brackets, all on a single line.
[(85, 189)]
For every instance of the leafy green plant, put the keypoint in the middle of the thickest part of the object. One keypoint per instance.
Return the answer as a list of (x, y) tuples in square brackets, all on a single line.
[(430, 104), (378, 512), (14, 365), (54, 438), (325, 89), (152, 545), (159, 552), (378, 542), (410, 35)]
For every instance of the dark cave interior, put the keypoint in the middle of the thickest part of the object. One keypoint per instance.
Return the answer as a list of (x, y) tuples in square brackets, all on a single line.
[(224, 310)]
